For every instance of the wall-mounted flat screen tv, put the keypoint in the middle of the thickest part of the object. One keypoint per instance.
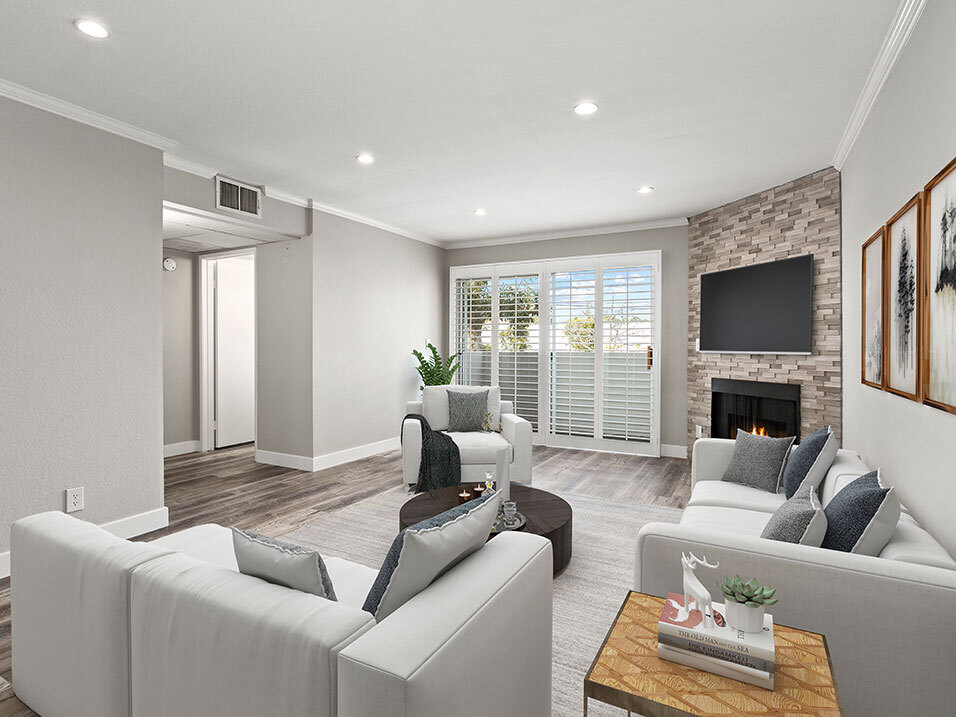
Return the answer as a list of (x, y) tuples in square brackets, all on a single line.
[(759, 309)]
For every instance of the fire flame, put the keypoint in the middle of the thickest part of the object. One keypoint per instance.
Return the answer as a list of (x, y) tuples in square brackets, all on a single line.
[(758, 431)]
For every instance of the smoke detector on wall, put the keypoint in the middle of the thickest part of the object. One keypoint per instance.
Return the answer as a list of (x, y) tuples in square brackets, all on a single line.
[(237, 197), (169, 264)]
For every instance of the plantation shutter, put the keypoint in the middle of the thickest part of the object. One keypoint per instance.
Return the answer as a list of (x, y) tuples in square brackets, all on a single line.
[(518, 343), (473, 339), (572, 353)]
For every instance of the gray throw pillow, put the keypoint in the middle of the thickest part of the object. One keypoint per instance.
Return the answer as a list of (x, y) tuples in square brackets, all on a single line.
[(423, 551), (466, 410), (758, 461), (810, 461), (291, 566), (799, 520), (861, 518)]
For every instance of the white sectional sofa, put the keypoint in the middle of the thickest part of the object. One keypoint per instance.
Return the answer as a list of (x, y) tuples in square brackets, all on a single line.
[(890, 621), (109, 628), (478, 450)]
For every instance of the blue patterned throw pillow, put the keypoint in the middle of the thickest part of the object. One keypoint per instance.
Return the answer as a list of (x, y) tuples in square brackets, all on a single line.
[(861, 518), (810, 461), (423, 551)]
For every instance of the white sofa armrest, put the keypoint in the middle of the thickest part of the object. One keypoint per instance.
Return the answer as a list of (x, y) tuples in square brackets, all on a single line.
[(440, 653), (411, 450), (209, 641), (710, 459), (883, 619), (517, 431), (413, 407)]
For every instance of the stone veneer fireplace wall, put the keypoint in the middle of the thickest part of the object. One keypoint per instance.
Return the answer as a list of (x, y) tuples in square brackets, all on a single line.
[(800, 217)]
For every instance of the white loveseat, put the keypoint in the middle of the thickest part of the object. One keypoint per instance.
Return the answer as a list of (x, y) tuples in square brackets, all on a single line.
[(890, 621), (103, 627), (478, 449)]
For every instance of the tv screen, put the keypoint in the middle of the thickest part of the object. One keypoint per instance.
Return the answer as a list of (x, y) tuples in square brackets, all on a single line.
[(766, 308)]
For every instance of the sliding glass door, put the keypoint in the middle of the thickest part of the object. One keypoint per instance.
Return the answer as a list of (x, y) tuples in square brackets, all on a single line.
[(572, 342)]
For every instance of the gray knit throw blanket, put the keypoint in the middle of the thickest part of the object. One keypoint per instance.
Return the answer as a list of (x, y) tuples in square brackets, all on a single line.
[(441, 463)]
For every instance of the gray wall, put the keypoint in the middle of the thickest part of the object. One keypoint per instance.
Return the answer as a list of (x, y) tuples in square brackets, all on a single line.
[(376, 296), (181, 349), (906, 140), (284, 392), (80, 296), (673, 243)]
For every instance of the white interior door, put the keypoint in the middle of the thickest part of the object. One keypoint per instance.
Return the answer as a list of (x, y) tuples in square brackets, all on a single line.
[(235, 350)]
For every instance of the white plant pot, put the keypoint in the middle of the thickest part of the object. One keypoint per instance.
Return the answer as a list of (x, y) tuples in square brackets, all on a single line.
[(743, 618)]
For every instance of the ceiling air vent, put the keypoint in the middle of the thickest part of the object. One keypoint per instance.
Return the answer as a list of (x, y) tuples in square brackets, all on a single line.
[(237, 197)]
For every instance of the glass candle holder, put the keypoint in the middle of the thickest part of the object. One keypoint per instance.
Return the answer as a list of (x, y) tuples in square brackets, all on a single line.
[(510, 510), (464, 496)]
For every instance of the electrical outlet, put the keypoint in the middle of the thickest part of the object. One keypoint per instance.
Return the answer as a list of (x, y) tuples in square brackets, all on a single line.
[(74, 499), (287, 249), (700, 431)]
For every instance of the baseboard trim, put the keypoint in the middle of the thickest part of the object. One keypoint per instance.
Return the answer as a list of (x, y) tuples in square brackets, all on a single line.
[(669, 450), (353, 454), (179, 449), (327, 460), (128, 527)]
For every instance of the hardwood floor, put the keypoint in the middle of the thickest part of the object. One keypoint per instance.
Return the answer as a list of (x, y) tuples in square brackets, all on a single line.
[(228, 487)]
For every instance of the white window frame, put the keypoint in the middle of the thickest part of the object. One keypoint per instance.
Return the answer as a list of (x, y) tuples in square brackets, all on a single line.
[(599, 263)]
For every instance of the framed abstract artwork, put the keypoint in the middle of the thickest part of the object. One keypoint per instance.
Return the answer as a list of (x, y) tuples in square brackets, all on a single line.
[(939, 291), (903, 274), (874, 310)]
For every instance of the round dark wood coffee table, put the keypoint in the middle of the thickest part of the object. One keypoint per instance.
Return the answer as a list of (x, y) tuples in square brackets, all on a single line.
[(547, 514)]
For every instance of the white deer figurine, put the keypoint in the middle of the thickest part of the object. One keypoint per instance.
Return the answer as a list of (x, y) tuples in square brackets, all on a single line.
[(693, 588)]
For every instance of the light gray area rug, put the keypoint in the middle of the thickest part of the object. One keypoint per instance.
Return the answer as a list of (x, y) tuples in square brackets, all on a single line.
[(587, 594)]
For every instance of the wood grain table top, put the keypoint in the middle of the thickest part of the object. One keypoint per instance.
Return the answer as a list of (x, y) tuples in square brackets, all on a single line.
[(628, 673)]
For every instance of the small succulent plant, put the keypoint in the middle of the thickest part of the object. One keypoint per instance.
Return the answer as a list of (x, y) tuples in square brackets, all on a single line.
[(751, 593)]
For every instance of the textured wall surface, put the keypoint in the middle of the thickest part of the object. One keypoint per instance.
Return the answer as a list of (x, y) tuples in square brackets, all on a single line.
[(181, 349), (800, 217)]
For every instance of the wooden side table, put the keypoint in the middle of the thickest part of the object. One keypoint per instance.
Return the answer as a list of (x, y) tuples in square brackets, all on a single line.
[(627, 673)]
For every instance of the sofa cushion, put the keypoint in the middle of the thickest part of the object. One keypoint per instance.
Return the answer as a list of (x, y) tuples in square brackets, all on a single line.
[(861, 518), (466, 409), (435, 404), (728, 520), (481, 448), (810, 461), (734, 495), (846, 467), (799, 520), (286, 564), (758, 461), (910, 543), (422, 552)]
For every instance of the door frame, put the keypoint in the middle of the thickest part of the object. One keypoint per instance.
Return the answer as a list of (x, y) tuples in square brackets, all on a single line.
[(207, 344)]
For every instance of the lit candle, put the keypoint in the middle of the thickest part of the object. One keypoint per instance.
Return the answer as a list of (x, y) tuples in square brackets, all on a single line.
[(477, 490), (464, 496)]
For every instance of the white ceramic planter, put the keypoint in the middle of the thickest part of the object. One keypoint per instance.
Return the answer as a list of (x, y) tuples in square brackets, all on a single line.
[(746, 619)]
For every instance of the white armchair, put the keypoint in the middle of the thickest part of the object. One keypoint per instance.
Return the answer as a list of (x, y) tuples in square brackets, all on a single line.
[(478, 449)]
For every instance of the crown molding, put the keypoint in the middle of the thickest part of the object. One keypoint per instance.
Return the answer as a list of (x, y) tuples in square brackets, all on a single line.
[(568, 234), (185, 165), (286, 197), (83, 116), (907, 15), (373, 223)]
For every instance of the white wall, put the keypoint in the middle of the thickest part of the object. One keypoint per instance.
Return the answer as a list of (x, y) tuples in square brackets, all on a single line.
[(909, 136), (376, 296), (181, 349), (81, 395), (674, 272)]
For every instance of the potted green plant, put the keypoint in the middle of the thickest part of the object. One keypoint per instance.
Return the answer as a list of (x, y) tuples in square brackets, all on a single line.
[(434, 370), (746, 602)]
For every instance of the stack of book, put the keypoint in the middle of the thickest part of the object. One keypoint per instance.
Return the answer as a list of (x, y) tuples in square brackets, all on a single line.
[(683, 637)]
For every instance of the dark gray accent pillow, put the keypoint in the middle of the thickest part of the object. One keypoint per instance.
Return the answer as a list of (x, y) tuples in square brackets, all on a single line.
[(800, 520), (861, 518), (810, 461), (758, 461), (291, 566), (466, 410)]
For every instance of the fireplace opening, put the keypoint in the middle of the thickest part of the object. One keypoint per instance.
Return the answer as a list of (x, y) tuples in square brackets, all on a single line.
[(767, 409)]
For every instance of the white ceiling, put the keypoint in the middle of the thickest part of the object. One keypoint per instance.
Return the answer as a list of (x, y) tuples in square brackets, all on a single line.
[(468, 104)]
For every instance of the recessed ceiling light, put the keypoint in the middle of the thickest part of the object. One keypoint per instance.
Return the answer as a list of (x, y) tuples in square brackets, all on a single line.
[(646, 189), (364, 158), (91, 28), (585, 108), (480, 212)]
